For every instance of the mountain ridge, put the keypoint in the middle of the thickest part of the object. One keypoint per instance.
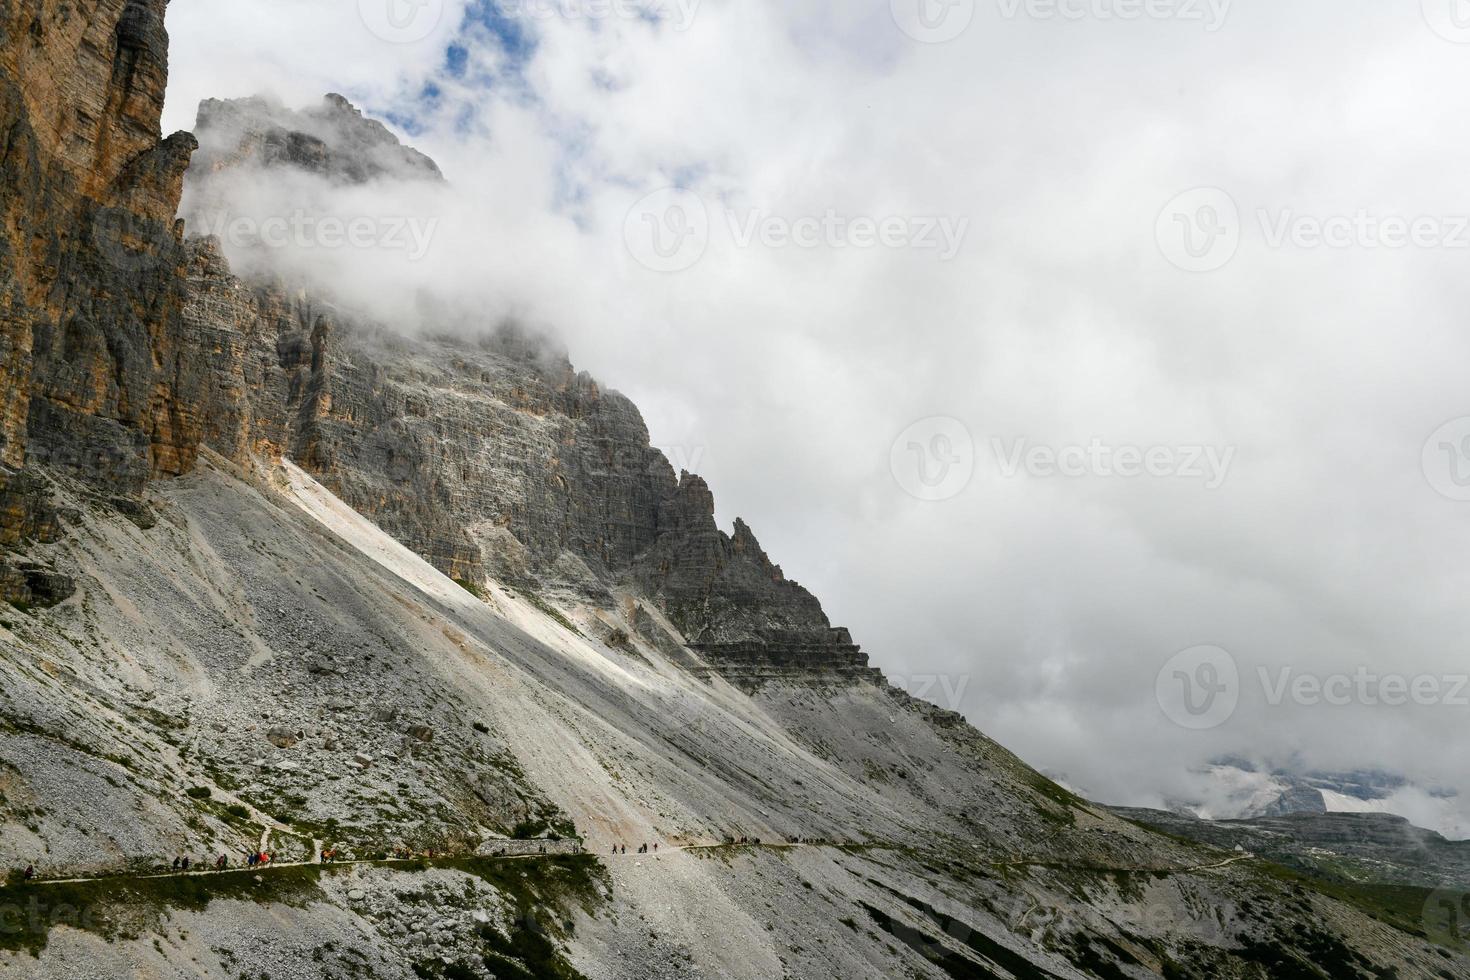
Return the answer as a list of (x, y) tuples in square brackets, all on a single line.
[(278, 578)]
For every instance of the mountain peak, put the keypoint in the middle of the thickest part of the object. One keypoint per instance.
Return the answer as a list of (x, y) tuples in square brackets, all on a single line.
[(333, 139)]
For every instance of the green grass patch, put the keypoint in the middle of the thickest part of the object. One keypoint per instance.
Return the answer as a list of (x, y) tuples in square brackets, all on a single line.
[(554, 880), (1068, 802), (471, 588), (551, 611), (126, 908), (1399, 906)]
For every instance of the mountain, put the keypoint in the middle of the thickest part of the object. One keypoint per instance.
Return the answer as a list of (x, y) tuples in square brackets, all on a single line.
[(1239, 789), (280, 576), (1357, 847)]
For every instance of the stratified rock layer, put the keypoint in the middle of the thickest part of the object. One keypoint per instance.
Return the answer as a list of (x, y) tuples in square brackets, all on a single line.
[(488, 457), (94, 378)]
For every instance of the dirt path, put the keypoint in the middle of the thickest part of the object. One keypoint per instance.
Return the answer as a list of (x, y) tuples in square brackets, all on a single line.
[(385, 862), (1223, 864), (671, 849), (274, 865), (1034, 863)]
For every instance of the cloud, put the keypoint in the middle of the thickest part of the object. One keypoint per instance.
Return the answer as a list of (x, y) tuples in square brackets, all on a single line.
[(1061, 320)]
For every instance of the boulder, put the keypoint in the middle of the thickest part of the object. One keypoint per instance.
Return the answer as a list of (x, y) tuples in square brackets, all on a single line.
[(282, 738)]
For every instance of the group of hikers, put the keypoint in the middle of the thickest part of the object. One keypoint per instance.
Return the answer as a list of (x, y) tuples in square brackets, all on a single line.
[(257, 859), (755, 841), (252, 859)]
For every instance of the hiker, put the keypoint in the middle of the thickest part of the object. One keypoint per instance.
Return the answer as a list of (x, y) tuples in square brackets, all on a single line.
[(184, 864), (30, 872), (222, 863), (655, 848), (176, 864), (615, 848)]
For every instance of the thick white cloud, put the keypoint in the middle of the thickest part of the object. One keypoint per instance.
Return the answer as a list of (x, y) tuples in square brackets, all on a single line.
[(787, 372)]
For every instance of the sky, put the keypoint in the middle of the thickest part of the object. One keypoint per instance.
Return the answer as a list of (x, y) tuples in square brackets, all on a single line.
[(1102, 364)]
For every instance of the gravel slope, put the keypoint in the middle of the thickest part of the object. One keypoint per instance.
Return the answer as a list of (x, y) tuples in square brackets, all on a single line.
[(313, 682)]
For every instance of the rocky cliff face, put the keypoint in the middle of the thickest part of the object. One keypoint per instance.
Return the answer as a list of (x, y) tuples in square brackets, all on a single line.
[(333, 140), (207, 647), (96, 382), (124, 348), (489, 456)]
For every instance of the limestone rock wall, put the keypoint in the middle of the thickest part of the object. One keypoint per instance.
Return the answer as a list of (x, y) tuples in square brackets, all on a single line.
[(485, 455), (94, 381), (125, 347)]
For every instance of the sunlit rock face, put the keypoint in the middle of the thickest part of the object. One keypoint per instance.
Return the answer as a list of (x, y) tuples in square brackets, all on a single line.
[(95, 379)]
